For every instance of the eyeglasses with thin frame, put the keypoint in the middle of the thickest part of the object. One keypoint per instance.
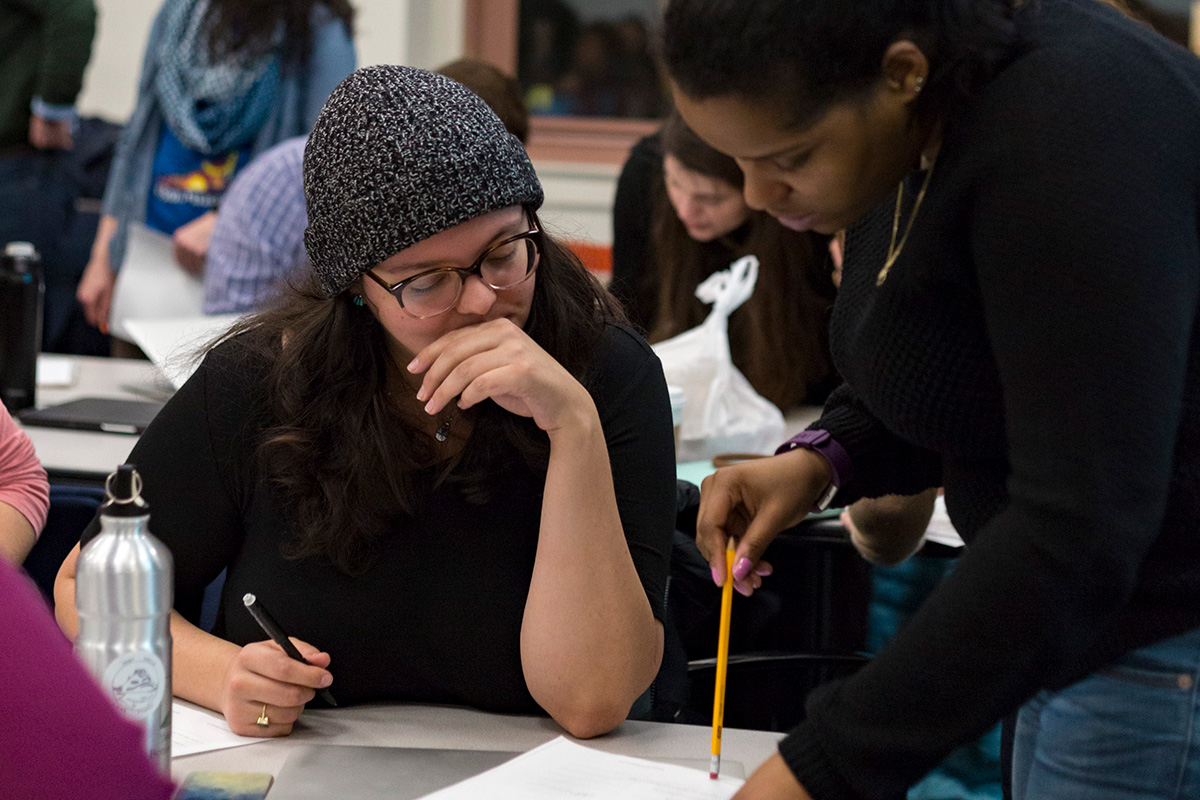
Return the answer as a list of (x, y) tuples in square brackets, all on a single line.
[(501, 266)]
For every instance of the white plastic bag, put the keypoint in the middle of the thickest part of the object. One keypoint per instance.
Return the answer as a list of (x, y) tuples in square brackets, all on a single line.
[(723, 413)]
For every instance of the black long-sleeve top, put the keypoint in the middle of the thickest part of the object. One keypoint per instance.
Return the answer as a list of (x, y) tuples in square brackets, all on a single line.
[(634, 281), (1034, 350), (637, 275), (436, 617)]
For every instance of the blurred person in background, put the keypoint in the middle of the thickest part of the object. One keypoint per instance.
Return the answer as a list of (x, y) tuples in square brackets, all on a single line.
[(678, 217), (44, 49), (592, 86), (49, 159), (547, 30), (222, 81), (643, 86), (24, 492)]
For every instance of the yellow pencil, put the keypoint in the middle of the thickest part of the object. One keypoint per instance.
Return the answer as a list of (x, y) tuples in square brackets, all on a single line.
[(714, 766)]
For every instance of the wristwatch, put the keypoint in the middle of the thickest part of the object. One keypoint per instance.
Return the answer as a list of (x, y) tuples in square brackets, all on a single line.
[(840, 468)]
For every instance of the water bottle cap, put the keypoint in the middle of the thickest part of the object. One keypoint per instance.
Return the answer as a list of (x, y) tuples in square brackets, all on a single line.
[(124, 491), (20, 250)]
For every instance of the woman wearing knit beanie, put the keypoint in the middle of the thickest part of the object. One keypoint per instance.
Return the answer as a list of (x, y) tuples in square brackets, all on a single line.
[(443, 461)]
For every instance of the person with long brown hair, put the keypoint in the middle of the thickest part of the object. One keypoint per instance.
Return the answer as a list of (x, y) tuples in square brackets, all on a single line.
[(444, 459), (679, 216), (222, 81)]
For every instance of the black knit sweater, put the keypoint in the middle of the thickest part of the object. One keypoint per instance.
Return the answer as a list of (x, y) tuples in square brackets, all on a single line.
[(1032, 350)]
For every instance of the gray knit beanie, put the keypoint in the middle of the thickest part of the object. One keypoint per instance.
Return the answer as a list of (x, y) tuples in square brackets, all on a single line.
[(397, 155)]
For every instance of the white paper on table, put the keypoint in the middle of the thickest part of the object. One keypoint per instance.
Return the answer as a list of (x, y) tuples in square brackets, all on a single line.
[(563, 769), (150, 284), (56, 372), (174, 344), (197, 731)]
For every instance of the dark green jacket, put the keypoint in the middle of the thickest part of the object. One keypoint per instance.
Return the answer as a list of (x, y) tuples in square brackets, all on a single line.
[(44, 49)]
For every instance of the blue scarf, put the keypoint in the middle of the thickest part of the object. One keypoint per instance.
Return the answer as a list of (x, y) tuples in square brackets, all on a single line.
[(211, 108)]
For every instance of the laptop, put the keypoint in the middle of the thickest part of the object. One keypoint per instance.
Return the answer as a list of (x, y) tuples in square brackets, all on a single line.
[(105, 414), (320, 772)]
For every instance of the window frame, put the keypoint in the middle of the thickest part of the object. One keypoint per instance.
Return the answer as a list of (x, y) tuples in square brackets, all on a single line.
[(491, 35)]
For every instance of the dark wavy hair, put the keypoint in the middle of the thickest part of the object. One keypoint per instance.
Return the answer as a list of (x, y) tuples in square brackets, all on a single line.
[(779, 336), (811, 54), (247, 28), (342, 458)]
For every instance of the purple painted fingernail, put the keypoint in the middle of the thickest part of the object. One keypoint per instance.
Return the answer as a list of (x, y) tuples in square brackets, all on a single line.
[(743, 590), (742, 568), (718, 576)]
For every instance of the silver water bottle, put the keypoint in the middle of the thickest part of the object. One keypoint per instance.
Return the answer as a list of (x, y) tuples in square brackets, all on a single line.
[(123, 592)]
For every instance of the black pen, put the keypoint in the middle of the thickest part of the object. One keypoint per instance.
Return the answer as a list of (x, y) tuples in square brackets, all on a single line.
[(268, 624)]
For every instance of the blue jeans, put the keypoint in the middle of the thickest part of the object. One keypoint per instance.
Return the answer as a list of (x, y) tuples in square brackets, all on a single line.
[(1130, 731)]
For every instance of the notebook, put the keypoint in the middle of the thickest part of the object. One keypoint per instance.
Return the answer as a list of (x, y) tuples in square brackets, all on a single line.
[(105, 414), (319, 772)]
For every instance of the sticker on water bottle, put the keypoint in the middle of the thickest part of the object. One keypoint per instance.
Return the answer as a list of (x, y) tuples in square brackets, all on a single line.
[(137, 682)]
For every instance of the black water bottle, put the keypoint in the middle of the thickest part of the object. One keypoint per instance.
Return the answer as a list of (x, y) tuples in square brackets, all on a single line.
[(21, 290)]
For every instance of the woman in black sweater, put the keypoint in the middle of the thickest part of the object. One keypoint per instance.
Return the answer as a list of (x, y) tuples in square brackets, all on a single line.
[(442, 460), (1016, 322)]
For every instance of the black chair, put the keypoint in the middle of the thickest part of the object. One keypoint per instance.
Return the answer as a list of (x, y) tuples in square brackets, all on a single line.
[(71, 509), (806, 626)]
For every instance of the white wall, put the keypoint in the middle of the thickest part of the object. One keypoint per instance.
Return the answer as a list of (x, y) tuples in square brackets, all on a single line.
[(111, 80), (579, 199), (423, 33)]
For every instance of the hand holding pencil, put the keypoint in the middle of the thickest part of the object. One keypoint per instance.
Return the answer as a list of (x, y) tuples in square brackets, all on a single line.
[(773, 780)]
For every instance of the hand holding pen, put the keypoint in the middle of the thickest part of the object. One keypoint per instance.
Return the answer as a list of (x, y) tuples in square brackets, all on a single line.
[(273, 629), (267, 685)]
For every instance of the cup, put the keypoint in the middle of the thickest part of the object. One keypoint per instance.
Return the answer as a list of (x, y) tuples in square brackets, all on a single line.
[(678, 403)]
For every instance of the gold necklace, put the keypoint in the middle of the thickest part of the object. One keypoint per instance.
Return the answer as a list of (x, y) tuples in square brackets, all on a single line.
[(893, 248)]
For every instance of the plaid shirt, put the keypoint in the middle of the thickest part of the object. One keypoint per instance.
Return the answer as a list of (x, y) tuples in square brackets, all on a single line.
[(259, 236)]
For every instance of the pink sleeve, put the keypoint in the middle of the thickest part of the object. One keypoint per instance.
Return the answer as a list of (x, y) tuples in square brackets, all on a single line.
[(23, 483)]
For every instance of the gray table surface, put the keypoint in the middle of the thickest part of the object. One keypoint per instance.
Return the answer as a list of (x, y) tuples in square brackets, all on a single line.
[(91, 454), (445, 727)]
